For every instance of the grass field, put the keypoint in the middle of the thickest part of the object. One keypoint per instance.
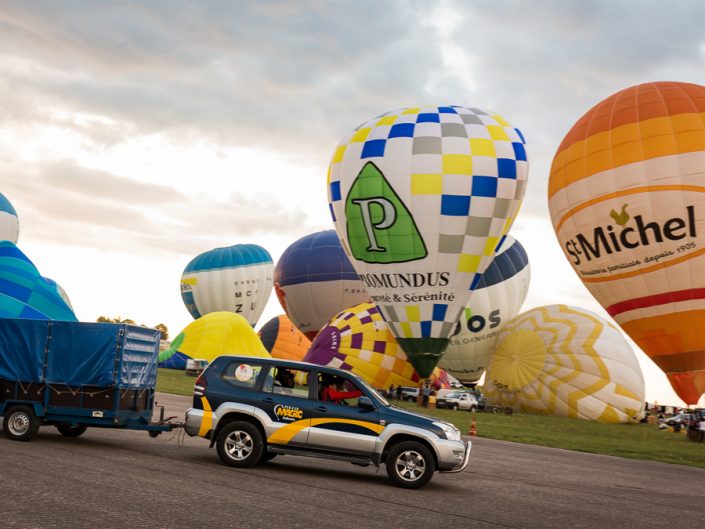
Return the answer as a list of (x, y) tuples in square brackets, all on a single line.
[(637, 441)]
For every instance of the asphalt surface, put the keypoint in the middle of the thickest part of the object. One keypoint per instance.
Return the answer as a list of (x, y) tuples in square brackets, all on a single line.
[(119, 479)]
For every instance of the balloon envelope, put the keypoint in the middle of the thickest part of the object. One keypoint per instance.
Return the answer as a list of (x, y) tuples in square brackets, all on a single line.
[(359, 340), (237, 279), (565, 361), (421, 198), (24, 293), (496, 300), (213, 335), (283, 340), (9, 223), (627, 200), (314, 281)]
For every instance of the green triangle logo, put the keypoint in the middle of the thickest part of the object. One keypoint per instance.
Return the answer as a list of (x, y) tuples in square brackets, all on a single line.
[(380, 227)]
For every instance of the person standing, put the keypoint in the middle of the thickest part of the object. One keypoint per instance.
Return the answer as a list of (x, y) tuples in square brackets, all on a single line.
[(399, 392), (426, 395)]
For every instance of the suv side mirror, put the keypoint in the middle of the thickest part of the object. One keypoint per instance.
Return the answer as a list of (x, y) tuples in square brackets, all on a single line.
[(365, 404)]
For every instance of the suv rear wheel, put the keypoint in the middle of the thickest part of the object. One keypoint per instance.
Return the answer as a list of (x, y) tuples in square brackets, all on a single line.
[(240, 444), (410, 464)]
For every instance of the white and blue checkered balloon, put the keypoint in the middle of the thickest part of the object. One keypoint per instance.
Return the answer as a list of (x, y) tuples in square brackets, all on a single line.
[(421, 198)]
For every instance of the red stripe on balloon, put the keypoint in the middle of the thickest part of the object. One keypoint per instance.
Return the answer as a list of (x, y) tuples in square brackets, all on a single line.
[(653, 301)]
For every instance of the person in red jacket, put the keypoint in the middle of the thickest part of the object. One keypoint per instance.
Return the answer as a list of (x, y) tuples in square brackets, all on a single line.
[(333, 390)]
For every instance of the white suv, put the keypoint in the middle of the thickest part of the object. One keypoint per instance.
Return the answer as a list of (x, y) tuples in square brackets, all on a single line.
[(458, 400)]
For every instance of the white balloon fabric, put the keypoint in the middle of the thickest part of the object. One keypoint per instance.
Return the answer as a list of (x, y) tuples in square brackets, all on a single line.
[(9, 223), (421, 199), (566, 361), (496, 300), (235, 279)]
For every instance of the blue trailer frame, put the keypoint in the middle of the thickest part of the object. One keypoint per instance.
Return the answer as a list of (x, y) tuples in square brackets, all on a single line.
[(77, 375)]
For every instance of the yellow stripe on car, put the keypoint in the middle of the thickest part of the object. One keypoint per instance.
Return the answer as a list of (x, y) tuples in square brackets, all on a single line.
[(207, 421), (286, 433)]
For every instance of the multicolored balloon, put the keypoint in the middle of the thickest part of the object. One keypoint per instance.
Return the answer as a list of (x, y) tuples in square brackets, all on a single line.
[(9, 223), (421, 198), (237, 279), (213, 335), (496, 300), (627, 200), (359, 340), (565, 361), (314, 280), (283, 340), (24, 293)]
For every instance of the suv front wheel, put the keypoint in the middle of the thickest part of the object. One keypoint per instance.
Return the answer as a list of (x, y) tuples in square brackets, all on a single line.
[(240, 444), (410, 464)]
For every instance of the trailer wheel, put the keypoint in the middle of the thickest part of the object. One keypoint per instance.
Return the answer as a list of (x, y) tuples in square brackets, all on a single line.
[(240, 444), (20, 423), (69, 430)]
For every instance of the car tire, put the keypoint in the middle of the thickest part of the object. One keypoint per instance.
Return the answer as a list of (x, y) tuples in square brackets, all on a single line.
[(268, 456), (410, 464), (20, 424), (473, 409), (454, 407), (71, 431), (240, 444)]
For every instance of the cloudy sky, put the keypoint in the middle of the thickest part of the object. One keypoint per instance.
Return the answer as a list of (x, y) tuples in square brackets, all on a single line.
[(135, 135)]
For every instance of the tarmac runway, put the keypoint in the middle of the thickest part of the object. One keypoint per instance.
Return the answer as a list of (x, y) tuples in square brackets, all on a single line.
[(122, 479)]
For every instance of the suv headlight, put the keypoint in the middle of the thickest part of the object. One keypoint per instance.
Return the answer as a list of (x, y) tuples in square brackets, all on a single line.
[(452, 433)]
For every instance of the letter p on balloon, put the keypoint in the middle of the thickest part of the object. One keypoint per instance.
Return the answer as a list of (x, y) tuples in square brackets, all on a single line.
[(389, 216)]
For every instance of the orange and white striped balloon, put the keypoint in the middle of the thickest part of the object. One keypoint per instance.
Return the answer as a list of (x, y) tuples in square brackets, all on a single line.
[(627, 200)]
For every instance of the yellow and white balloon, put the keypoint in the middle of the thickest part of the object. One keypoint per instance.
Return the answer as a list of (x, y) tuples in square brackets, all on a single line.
[(566, 361)]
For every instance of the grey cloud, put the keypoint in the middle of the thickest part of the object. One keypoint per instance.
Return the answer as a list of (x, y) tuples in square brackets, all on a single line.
[(280, 74)]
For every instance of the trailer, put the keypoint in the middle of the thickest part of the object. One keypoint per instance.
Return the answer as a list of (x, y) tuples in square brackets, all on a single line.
[(76, 375)]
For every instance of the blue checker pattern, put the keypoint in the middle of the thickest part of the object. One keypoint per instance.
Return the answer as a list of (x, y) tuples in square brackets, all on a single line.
[(426, 329), (335, 190), (373, 148), (447, 110), (484, 186), (439, 311), (519, 151), (455, 205), (402, 130), (506, 168), (428, 117)]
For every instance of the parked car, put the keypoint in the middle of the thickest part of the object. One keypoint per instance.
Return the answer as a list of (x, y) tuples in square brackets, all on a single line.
[(681, 419), (254, 409), (458, 400), (409, 394)]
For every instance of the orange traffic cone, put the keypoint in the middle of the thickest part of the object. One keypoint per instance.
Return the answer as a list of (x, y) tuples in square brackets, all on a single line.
[(473, 428)]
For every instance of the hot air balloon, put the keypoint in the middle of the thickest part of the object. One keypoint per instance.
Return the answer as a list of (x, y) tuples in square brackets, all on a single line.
[(496, 300), (9, 224), (565, 361), (359, 340), (237, 279), (59, 290), (283, 340), (314, 280), (627, 201), (421, 198), (213, 335), (24, 293)]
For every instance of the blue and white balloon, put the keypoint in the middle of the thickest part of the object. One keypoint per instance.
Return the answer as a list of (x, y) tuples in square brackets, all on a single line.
[(235, 279)]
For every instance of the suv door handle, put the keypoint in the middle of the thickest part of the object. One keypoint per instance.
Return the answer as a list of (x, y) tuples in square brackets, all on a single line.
[(321, 408), (268, 400)]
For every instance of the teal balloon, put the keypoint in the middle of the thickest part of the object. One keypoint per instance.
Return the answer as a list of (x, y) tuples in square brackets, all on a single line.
[(24, 293)]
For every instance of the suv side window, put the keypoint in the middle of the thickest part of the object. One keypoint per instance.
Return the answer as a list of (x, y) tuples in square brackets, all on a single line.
[(242, 375), (285, 381), (338, 389)]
